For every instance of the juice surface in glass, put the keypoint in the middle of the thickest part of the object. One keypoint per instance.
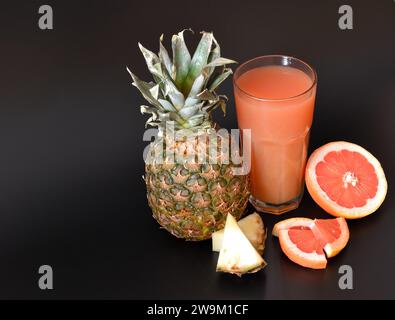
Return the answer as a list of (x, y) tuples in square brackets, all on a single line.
[(276, 101)]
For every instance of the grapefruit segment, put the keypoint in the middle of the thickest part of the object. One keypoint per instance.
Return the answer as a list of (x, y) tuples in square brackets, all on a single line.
[(345, 180), (333, 234), (301, 247), (311, 242)]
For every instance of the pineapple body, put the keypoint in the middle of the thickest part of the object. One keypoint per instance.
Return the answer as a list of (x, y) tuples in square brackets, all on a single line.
[(191, 200)]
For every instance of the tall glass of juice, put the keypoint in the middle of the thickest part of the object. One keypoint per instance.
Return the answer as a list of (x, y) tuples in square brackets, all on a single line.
[(275, 98)]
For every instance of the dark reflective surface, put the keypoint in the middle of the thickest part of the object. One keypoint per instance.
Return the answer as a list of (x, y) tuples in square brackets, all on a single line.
[(71, 193)]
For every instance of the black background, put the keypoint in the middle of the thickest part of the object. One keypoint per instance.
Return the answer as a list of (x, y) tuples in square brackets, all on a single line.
[(71, 192)]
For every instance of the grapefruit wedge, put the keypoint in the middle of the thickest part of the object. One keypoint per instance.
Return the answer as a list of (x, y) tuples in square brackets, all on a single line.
[(301, 247), (333, 234), (345, 180), (310, 243)]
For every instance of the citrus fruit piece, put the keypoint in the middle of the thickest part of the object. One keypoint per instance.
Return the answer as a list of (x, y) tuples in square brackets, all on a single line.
[(301, 246), (309, 242), (289, 223), (345, 180), (333, 235)]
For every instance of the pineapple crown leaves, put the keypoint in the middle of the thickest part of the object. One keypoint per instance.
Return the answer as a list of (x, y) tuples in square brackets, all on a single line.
[(183, 88)]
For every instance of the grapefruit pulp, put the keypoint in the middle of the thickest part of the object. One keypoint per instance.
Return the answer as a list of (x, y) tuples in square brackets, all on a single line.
[(309, 245), (345, 180)]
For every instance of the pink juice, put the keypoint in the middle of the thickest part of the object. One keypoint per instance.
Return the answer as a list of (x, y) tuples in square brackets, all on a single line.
[(276, 102)]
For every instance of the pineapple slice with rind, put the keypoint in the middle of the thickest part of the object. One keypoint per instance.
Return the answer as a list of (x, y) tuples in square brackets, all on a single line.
[(237, 255), (252, 227)]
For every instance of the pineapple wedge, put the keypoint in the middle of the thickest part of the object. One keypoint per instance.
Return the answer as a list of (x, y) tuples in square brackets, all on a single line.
[(252, 227), (237, 255)]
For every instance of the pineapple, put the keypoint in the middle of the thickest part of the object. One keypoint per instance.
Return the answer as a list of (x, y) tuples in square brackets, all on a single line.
[(253, 228), (237, 254), (189, 196)]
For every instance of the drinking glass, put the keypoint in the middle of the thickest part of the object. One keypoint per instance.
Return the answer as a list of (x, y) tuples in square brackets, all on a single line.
[(275, 98)]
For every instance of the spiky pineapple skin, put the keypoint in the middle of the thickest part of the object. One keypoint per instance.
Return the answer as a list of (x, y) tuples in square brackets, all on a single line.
[(192, 200)]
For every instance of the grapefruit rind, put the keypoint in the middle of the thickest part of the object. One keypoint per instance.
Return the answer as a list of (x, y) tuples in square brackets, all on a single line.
[(311, 260), (325, 202), (289, 223)]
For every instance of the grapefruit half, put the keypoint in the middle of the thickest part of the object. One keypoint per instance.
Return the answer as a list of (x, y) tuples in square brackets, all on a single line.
[(345, 180), (313, 241)]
